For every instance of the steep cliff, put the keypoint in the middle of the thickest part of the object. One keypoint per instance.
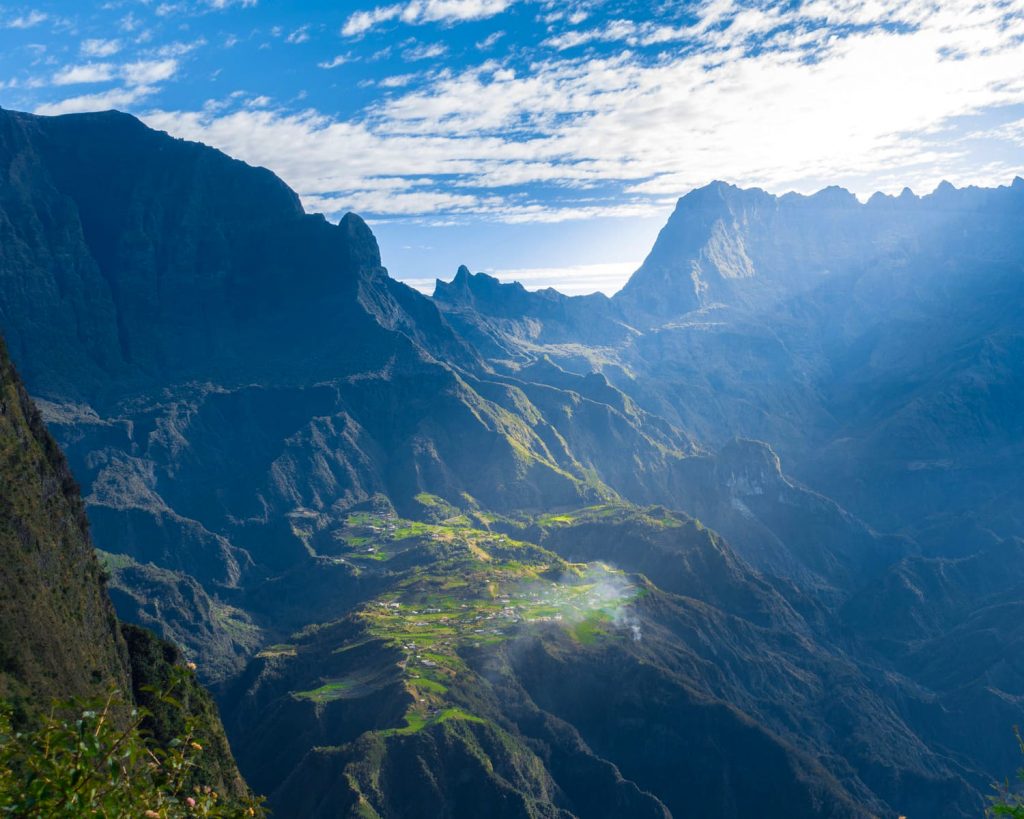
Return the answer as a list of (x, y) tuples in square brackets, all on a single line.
[(59, 636)]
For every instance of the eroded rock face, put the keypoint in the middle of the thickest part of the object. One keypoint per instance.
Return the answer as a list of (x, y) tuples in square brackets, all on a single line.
[(59, 635), (277, 442), (216, 362)]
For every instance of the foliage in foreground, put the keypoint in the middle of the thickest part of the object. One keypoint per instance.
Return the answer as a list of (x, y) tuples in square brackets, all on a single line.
[(97, 759), (1010, 802)]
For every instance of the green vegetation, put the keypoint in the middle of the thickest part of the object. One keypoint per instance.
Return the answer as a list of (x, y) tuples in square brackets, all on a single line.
[(99, 759), (58, 633), (452, 589), (1009, 802), (467, 588), (158, 666), (333, 690), (277, 650), (656, 516), (588, 630)]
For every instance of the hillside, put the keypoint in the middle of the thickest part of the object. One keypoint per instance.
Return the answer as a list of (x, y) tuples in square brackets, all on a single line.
[(59, 632), (513, 553), (875, 346), (59, 636)]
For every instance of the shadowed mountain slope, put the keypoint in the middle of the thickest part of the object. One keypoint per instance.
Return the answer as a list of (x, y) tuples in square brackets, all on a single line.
[(59, 636), (216, 363), (400, 531)]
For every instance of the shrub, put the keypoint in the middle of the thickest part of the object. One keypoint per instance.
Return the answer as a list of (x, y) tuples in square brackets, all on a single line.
[(1009, 802), (97, 759)]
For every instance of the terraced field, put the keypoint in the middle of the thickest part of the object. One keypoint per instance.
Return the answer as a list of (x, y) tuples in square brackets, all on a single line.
[(468, 589)]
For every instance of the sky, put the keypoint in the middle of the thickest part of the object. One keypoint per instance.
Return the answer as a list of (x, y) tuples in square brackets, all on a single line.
[(543, 141)]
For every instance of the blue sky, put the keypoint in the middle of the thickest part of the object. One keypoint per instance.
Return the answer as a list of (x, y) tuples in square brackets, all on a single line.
[(543, 141)]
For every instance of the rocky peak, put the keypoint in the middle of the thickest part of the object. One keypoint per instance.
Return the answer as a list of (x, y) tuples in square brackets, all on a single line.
[(749, 248), (364, 251), (151, 260)]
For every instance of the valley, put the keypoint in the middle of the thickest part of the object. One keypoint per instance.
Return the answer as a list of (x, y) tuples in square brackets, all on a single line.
[(743, 539)]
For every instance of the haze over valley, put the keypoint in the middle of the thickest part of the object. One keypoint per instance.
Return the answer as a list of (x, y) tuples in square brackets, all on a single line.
[(733, 529)]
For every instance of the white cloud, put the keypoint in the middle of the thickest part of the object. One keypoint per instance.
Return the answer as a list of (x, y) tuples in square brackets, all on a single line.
[(143, 72), (490, 40), (397, 81), (115, 98), (862, 107), (1012, 132), (27, 20), (179, 49), (148, 72), (100, 48), (363, 21), (300, 35), (411, 203), (607, 278), (416, 12), (452, 11), (334, 62), (80, 74), (424, 51)]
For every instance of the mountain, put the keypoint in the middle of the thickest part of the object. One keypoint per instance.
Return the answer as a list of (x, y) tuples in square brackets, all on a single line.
[(59, 636), (553, 682), (219, 366), (875, 346), (523, 554)]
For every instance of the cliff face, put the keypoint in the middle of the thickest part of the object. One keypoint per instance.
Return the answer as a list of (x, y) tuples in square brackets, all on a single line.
[(220, 367), (390, 499), (132, 260), (59, 636), (58, 632), (746, 247)]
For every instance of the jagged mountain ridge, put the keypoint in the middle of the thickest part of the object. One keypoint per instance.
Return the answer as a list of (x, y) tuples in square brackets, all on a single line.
[(866, 343), (245, 486), (877, 347), (214, 359)]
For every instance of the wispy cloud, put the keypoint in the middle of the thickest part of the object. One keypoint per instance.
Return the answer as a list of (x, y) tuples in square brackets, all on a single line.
[(424, 51), (81, 74), (142, 72), (100, 48), (602, 109), (335, 61), (300, 35), (417, 12), (149, 72), (362, 21), (835, 91), (397, 81), (105, 101), (490, 41), (28, 19), (139, 80)]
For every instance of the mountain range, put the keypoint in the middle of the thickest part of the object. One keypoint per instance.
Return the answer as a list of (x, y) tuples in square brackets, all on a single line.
[(742, 540)]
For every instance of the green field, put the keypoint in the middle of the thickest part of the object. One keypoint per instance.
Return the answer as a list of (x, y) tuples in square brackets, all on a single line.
[(468, 589)]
